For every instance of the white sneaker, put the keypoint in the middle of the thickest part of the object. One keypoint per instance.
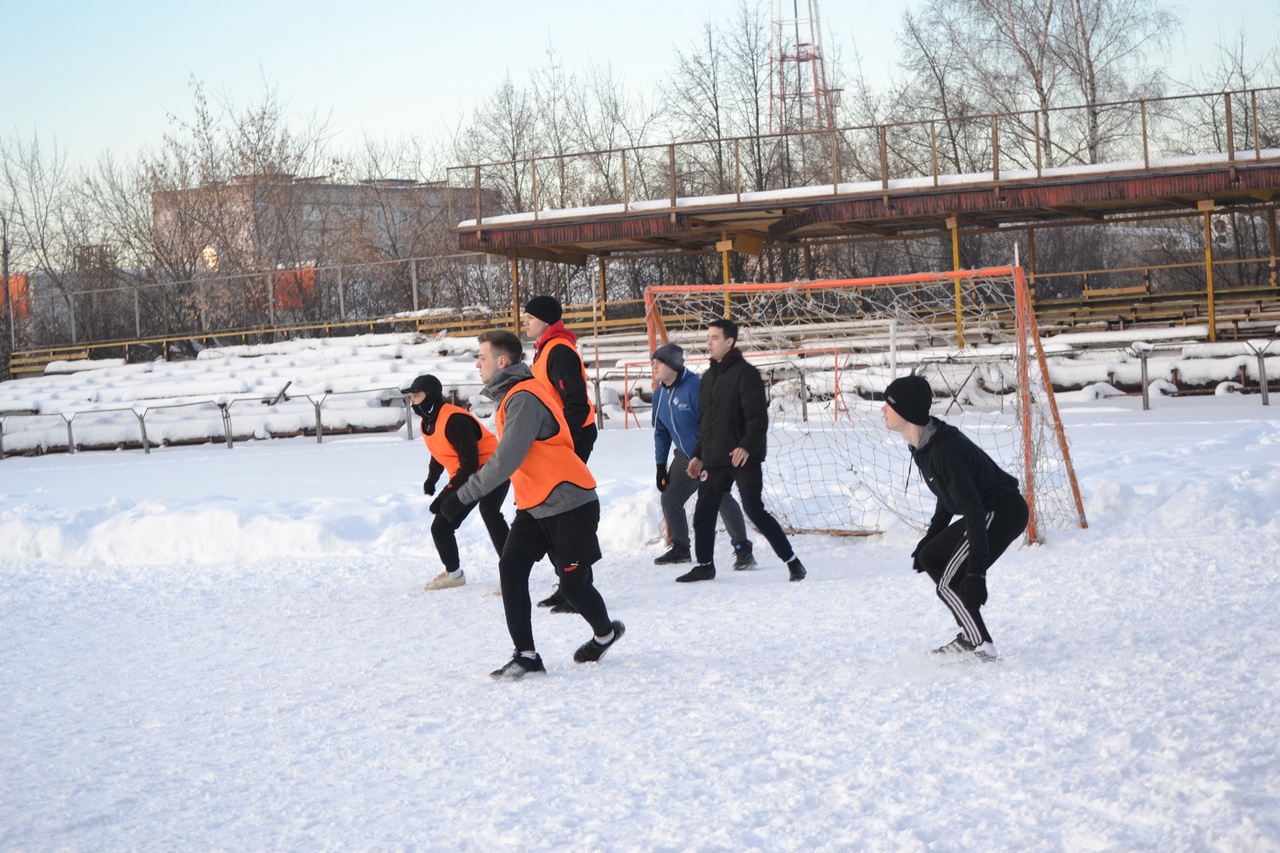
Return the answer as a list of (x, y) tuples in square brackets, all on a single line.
[(986, 652), (446, 581)]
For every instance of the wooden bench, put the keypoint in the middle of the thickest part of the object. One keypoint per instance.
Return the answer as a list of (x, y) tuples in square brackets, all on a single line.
[(33, 362), (1107, 292)]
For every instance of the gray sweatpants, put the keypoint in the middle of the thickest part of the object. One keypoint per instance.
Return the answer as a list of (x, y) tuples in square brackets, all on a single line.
[(680, 487)]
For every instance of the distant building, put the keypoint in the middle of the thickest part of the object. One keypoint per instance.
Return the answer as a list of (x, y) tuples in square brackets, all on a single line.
[(263, 222)]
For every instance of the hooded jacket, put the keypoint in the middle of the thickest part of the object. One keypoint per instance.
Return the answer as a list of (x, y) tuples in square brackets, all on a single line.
[(526, 419), (966, 482), (733, 411), (675, 416)]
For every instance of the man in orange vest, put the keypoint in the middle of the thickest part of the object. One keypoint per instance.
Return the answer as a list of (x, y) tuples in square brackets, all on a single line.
[(557, 510), (459, 444), (557, 363)]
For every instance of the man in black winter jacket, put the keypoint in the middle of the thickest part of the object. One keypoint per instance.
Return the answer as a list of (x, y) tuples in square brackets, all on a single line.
[(733, 420), (967, 483)]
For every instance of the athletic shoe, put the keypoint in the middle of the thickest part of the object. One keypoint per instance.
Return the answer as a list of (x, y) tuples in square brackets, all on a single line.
[(592, 650), (518, 667), (797, 569), (958, 646), (563, 606), (675, 555), (701, 572), (553, 599), (497, 591), (743, 559), (986, 652), (446, 581)]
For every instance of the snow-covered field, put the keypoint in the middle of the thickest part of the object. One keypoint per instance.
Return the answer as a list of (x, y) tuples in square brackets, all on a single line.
[(213, 649)]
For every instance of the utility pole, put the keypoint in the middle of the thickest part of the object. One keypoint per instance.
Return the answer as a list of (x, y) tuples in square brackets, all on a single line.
[(4, 276)]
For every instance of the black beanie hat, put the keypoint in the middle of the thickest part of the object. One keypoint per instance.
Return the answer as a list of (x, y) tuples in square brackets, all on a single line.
[(545, 308), (671, 355), (427, 384), (910, 397)]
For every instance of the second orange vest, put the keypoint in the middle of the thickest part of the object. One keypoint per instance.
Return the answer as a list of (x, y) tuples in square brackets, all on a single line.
[(550, 461), (444, 452), (539, 368)]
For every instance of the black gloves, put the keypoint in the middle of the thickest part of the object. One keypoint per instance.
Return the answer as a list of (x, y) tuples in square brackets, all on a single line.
[(973, 589), (915, 555), (662, 477), (452, 508), (428, 487), (436, 504), (973, 586)]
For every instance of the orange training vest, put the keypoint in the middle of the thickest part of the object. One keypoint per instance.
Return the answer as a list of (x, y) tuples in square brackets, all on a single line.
[(444, 452), (550, 461), (539, 368)]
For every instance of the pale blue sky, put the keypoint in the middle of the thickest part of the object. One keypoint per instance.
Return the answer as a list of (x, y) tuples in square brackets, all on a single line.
[(97, 76)]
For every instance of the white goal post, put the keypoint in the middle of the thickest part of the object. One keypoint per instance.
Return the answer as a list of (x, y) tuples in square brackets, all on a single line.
[(828, 349)]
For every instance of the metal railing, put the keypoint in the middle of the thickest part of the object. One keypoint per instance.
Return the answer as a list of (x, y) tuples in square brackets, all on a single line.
[(202, 422), (1142, 134)]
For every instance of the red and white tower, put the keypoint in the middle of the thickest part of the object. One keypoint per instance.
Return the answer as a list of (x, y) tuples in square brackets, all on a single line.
[(799, 96)]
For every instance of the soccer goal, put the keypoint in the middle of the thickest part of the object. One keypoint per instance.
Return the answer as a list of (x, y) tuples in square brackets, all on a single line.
[(828, 349)]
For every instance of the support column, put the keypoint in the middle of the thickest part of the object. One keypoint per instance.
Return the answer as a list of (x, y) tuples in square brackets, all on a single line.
[(1271, 241), (1031, 261), (604, 296), (1206, 210), (515, 292), (953, 223), (724, 246)]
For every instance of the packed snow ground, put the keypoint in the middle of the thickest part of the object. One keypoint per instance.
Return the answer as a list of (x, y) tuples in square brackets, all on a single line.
[(204, 648)]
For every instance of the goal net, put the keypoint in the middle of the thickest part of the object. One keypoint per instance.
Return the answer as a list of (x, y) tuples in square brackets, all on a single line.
[(828, 349)]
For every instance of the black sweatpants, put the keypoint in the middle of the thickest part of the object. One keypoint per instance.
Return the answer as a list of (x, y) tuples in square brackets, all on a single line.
[(946, 557), (570, 539), (443, 530)]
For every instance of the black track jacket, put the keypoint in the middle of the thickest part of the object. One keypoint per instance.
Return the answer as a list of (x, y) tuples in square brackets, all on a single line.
[(732, 411), (966, 482)]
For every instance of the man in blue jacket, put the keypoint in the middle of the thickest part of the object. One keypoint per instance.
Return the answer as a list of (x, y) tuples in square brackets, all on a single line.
[(675, 423)]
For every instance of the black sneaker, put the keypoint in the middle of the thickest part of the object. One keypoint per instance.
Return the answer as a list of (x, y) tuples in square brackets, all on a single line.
[(563, 606), (553, 599), (592, 650), (958, 646), (518, 667), (702, 572), (743, 559), (675, 555), (797, 569)]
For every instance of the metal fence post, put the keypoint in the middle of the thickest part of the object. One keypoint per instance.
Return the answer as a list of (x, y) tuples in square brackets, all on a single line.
[(1262, 377), (1143, 349), (226, 423), (142, 425)]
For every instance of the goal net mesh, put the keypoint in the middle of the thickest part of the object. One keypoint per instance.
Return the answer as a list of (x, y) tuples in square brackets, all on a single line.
[(828, 349)]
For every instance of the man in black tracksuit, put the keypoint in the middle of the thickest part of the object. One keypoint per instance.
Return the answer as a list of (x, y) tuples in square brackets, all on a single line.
[(967, 483), (733, 419)]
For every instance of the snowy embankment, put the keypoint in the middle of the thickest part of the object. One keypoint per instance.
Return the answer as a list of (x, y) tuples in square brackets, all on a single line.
[(205, 648)]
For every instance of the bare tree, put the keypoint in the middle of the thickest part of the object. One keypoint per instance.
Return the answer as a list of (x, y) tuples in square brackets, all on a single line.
[(1104, 48)]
